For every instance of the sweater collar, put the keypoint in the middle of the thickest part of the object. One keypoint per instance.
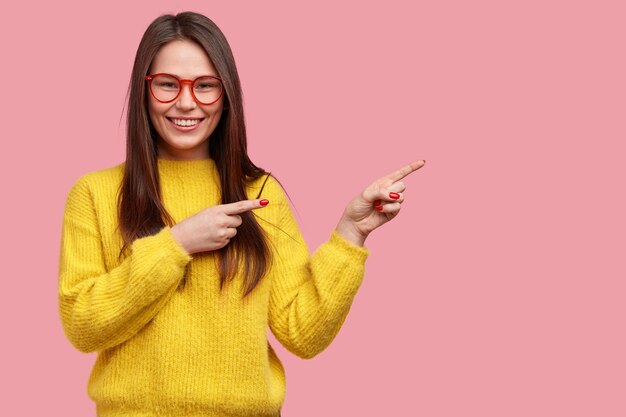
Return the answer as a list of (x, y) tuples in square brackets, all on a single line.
[(185, 167)]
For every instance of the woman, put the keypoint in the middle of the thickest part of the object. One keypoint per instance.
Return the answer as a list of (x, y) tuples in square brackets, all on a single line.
[(174, 263)]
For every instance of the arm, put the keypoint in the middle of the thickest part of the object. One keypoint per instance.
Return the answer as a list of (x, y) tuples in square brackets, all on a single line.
[(311, 295), (100, 309)]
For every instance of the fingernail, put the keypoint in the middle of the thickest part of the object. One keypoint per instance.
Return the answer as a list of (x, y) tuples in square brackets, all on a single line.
[(264, 202), (379, 208), (395, 196), (377, 203)]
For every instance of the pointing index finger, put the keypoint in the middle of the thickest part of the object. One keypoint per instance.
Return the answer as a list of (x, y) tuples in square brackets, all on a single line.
[(406, 170), (242, 206)]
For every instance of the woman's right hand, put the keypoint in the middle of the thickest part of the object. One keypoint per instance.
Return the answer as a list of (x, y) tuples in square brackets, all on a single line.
[(213, 227)]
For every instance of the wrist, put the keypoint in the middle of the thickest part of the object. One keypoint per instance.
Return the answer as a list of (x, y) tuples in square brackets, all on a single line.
[(349, 232), (179, 236)]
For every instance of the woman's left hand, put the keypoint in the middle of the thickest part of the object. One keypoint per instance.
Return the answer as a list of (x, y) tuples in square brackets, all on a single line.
[(375, 206)]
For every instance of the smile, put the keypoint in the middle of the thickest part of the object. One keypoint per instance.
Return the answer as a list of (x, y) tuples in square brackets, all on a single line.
[(185, 125), (185, 122)]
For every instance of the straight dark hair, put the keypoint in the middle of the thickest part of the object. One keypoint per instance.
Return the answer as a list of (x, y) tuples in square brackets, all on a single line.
[(140, 209)]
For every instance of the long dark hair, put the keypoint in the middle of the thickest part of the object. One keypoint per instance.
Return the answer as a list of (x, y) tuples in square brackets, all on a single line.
[(140, 209)]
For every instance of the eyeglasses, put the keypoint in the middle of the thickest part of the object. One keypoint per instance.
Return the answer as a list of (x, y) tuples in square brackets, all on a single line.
[(167, 87)]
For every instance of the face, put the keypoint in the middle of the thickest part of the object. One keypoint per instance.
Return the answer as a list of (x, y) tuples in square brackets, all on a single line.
[(187, 61)]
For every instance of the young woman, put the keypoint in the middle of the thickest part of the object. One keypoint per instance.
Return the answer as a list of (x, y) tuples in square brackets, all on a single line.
[(175, 262)]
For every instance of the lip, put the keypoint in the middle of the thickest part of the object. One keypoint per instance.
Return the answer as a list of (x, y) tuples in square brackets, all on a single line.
[(186, 128)]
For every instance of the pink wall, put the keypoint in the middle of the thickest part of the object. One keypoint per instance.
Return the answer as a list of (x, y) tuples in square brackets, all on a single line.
[(498, 290)]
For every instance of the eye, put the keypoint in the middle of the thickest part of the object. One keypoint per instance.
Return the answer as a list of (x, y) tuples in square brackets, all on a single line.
[(204, 86)]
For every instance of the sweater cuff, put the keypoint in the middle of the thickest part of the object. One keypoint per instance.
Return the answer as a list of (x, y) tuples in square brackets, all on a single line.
[(163, 246), (358, 253), (341, 266), (181, 256)]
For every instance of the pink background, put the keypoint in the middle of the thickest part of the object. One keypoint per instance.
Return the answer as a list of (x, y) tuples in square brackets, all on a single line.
[(498, 290)]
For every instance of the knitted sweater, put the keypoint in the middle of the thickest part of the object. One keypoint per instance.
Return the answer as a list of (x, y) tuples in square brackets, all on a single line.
[(166, 349)]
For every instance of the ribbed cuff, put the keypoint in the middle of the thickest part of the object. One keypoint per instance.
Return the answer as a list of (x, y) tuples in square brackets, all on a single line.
[(340, 265), (359, 253), (163, 250), (181, 256)]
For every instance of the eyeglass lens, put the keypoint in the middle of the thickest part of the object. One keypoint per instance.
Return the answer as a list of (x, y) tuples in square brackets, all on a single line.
[(206, 89)]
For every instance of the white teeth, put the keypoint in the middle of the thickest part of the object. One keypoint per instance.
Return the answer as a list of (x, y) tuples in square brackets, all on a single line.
[(181, 122)]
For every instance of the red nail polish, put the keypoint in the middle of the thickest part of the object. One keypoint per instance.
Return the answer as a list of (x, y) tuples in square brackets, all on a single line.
[(379, 208), (264, 202), (395, 196), (377, 203)]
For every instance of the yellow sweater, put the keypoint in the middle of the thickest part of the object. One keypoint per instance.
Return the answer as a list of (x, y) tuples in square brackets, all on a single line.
[(165, 349)]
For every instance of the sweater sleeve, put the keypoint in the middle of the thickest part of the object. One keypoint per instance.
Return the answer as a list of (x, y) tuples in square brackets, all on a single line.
[(311, 295), (100, 309)]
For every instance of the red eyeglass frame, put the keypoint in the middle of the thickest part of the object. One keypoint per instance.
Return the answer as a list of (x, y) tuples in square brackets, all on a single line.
[(182, 83)]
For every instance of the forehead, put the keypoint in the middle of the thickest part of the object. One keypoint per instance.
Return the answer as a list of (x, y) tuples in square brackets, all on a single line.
[(183, 58)]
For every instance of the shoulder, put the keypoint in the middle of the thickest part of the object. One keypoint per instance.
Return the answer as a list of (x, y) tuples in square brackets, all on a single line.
[(279, 208), (102, 181), (269, 187), (104, 177)]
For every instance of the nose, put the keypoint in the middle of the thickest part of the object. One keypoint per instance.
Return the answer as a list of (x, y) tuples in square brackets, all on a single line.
[(186, 101)]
